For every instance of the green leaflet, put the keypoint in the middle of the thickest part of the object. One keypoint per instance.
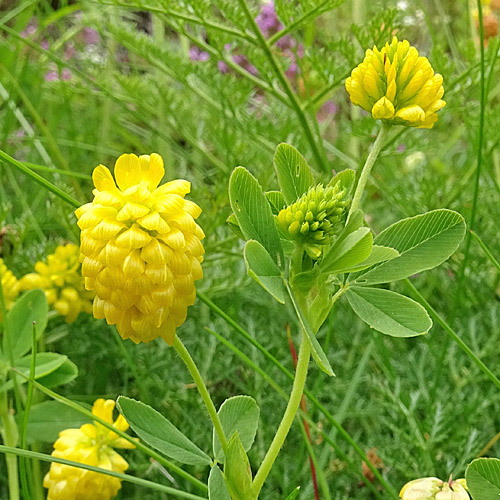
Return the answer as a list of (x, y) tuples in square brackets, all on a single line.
[(483, 479), (31, 306), (237, 471), (237, 414), (351, 250), (318, 354), (294, 175), (389, 312), (217, 489), (424, 242), (155, 430), (262, 268), (253, 212)]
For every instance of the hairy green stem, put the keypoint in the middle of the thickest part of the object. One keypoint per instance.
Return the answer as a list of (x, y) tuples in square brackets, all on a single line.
[(202, 389), (311, 397), (370, 161), (288, 417)]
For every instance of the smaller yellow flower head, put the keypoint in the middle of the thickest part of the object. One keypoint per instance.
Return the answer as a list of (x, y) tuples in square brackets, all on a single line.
[(315, 218), (141, 248), (91, 444), (59, 277), (10, 285), (432, 488), (397, 85)]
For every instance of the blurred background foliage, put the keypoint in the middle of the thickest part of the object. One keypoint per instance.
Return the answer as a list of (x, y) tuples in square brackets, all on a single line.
[(82, 83)]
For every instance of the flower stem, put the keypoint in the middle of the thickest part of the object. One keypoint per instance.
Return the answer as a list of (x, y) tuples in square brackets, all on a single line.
[(370, 161), (202, 389), (9, 435), (288, 417)]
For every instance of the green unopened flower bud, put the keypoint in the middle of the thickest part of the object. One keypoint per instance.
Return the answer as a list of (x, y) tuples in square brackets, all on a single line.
[(432, 488), (315, 218)]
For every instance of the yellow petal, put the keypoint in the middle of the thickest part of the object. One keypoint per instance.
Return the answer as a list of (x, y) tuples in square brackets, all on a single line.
[(180, 187), (383, 109), (156, 253), (192, 209), (131, 211), (127, 171), (134, 237), (103, 408), (102, 178), (133, 264), (174, 239), (107, 229), (152, 170), (167, 332), (153, 222), (411, 114)]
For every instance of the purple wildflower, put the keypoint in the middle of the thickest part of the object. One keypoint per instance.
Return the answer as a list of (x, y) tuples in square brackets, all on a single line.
[(31, 28), (400, 148), (90, 36), (45, 44), (223, 67), (196, 54), (51, 76), (268, 21), (66, 74), (54, 76), (328, 109)]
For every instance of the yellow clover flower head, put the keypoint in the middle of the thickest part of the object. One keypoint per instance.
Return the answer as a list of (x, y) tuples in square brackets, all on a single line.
[(397, 85), (314, 218), (59, 277), (432, 488), (10, 285), (141, 248), (91, 444)]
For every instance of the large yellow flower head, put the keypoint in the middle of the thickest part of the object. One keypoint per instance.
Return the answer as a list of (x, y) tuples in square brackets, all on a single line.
[(10, 285), (141, 248), (59, 277), (397, 85), (432, 488), (91, 444)]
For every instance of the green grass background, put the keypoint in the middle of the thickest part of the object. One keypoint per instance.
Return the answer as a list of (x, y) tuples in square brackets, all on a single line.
[(420, 402)]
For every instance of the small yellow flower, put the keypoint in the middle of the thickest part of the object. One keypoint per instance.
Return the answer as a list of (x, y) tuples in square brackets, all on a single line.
[(432, 488), (10, 285), (397, 85), (91, 444), (59, 277), (314, 218), (141, 248)]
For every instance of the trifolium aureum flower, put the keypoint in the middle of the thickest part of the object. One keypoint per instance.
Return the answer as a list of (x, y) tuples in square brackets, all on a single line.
[(314, 218), (397, 85), (60, 278), (141, 248), (10, 285), (91, 444), (432, 488)]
